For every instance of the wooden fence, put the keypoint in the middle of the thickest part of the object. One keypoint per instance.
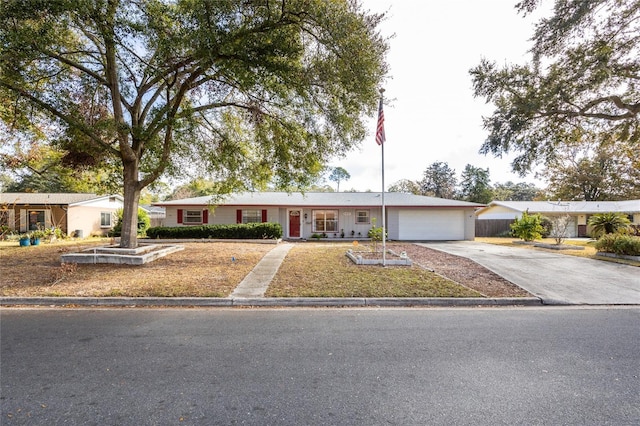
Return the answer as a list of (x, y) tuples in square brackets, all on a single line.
[(493, 227)]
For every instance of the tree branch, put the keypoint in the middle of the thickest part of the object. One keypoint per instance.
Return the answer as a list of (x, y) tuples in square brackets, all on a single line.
[(64, 117)]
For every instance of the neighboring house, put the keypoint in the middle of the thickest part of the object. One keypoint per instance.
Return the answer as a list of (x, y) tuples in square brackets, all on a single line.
[(156, 214), (81, 215), (579, 212), (409, 217)]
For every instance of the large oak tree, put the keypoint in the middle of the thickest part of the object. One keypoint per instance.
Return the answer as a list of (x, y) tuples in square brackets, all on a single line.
[(584, 76), (249, 92)]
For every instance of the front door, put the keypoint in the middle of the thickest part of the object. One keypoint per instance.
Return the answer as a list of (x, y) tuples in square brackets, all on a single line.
[(294, 224)]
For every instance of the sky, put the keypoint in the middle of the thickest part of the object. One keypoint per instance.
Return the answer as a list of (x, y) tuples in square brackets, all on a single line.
[(430, 112)]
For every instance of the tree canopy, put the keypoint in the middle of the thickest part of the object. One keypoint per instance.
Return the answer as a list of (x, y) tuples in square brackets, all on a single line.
[(337, 175), (247, 92), (583, 75), (593, 171), (439, 180), (521, 191), (405, 185), (475, 185)]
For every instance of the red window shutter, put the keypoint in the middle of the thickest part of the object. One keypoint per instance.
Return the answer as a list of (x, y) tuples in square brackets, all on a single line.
[(179, 215), (264, 216), (205, 216), (238, 216)]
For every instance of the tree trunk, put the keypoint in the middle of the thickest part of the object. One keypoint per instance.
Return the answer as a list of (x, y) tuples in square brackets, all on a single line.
[(129, 233)]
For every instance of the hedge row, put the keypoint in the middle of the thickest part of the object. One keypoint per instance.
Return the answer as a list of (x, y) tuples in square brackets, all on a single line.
[(619, 244), (249, 231)]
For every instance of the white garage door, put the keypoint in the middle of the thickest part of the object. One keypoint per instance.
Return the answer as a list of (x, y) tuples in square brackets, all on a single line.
[(431, 225)]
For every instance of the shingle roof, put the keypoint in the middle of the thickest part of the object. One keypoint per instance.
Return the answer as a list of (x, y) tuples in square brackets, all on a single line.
[(44, 198), (325, 199), (626, 206)]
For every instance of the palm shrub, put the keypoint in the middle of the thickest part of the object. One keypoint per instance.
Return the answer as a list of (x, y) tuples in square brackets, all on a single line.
[(528, 227), (608, 223)]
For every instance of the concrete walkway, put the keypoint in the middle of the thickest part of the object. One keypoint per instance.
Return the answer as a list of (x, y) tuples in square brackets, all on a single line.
[(554, 278), (257, 281)]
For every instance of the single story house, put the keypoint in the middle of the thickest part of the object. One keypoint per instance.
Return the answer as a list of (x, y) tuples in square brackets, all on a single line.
[(76, 214), (333, 214), (579, 212)]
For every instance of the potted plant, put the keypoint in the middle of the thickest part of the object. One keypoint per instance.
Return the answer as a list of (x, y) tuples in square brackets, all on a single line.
[(36, 236), (25, 240)]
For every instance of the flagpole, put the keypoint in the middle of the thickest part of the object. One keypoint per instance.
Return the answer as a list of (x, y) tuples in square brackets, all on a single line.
[(384, 221)]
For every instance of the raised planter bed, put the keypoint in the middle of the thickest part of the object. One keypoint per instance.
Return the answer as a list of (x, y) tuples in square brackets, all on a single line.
[(558, 246), (116, 255), (618, 256), (375, 258)]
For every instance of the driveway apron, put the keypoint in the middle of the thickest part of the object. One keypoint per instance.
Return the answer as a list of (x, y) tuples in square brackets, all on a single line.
[(554, 278)]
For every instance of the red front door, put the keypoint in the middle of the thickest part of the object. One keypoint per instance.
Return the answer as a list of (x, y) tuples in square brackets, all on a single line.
[(294, 224)]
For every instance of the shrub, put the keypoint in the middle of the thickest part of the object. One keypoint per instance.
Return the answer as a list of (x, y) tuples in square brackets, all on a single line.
[(608, 223), (143, 223), (249, 231), (619, 244), (528, 227)]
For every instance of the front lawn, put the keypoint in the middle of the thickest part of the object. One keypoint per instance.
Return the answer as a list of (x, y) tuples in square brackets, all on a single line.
[(323, 270)]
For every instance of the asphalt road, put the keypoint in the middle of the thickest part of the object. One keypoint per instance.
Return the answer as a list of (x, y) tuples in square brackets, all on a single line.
[(454, 366)]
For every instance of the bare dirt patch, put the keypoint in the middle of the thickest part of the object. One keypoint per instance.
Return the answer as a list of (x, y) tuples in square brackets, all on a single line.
[(463, 271)]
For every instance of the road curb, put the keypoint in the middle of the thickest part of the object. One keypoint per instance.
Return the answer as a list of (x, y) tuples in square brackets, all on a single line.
[(265, 301)]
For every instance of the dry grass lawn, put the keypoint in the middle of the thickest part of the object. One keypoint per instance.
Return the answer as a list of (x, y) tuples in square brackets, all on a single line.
[(200, 270), (215, 269), (323, 270)]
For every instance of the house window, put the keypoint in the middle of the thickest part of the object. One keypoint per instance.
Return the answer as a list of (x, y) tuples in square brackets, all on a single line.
[(192, 216), (325, 221), (36, 220), (362, 216), (251, 216), (105, 219)]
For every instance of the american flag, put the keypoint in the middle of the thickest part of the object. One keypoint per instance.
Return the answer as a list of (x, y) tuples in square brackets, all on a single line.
[(380, 138)]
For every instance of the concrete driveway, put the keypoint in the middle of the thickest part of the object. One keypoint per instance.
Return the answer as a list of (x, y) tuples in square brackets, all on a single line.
[(554, 278)]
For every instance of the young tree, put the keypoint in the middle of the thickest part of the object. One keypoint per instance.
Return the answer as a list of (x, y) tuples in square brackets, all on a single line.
[(560, 227), (247, 92), (475, 185), (528, 227), (583, 75), (439, 181), (337, 175)]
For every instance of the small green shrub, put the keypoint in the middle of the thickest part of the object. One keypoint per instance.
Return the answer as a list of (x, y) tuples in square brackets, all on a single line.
[(143, 223), (627, 245), (528, 227)]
